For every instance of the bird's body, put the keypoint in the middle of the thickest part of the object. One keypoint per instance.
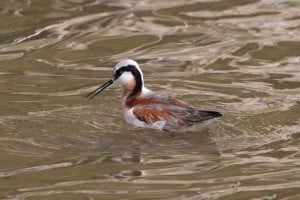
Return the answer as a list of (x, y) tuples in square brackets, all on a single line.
[(145, 108)]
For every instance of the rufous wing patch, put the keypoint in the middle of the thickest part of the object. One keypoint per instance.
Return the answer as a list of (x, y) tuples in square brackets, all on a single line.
[(151, 116), (160, 100)]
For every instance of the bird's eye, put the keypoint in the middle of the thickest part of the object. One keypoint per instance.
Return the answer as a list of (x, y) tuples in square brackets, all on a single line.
[(119, 72)]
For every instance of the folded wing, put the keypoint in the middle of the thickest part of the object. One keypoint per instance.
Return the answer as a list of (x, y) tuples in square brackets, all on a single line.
[(175, 115)]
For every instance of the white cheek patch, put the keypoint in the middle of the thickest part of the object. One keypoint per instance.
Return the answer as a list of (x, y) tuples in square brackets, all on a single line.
[(125, 78)]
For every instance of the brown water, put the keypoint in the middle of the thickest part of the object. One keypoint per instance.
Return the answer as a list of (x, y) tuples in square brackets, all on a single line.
[(239, 57)]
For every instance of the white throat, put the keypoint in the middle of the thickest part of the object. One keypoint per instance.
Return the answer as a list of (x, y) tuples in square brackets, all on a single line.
[(125, 79)]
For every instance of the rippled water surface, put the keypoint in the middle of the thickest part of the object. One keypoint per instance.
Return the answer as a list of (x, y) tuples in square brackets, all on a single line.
[(239, 57)]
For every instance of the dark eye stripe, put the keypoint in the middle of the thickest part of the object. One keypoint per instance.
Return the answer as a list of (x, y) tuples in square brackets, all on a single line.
[(137, 75), (119, 72), (129, 68)]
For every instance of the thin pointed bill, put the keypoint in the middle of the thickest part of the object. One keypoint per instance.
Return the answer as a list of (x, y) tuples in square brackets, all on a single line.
[(99, 89)]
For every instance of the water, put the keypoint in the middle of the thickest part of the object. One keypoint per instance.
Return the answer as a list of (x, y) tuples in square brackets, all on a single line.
[(241, 58)]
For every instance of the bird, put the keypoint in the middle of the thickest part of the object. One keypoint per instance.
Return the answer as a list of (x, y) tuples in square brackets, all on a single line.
[(145, 108)]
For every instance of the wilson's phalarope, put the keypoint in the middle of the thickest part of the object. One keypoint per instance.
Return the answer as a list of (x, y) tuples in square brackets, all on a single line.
[(145, 108)]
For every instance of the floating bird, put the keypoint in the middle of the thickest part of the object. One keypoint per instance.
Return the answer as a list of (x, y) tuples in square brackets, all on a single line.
[(145, 108)]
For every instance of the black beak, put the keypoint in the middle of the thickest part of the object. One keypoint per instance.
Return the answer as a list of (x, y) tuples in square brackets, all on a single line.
[(99, 89)]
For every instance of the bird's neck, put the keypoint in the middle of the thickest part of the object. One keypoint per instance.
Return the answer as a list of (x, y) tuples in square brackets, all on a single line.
[(131, 91)]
